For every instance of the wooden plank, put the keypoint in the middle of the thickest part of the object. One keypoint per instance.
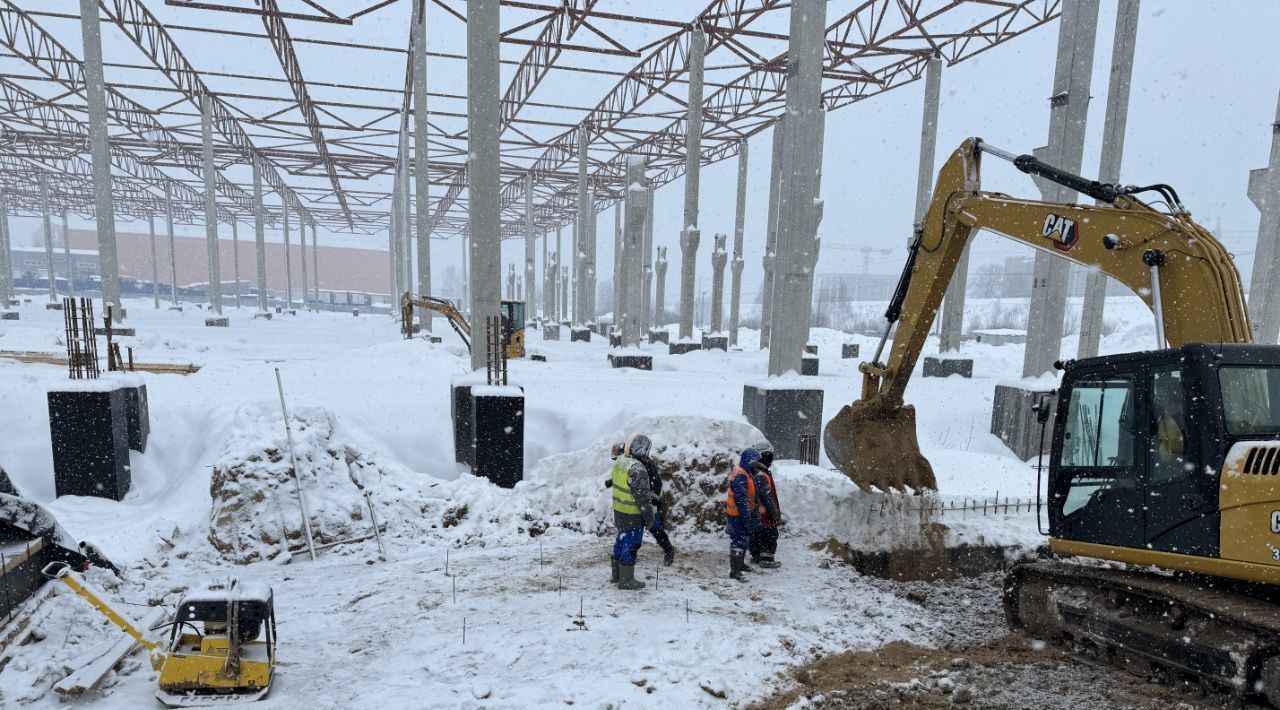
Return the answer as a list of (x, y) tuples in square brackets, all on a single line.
[(89, 667), (159, 368)]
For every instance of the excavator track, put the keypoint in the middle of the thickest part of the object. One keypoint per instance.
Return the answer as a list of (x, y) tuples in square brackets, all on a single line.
[(1223, 638)]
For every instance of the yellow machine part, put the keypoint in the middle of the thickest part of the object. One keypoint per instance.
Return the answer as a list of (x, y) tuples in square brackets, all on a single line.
[(200, 664), (515, 346)]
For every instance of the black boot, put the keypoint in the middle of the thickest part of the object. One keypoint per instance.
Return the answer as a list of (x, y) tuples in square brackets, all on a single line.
[(737, 565), (613, 565), (627, 578), (668, 550), (767, 562)]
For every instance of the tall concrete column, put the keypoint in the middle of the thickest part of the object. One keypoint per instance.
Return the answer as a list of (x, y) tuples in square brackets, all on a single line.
[(392, 286), (1069, 108), (421, 163), (483, 165), (465, 304), (155, 267), (69, 265), (48, 236), (104, 208), (689, 232), (771, 236), (646, 298), (739, 225), (235, 256), (580, 229), (589, 259), (511, 281), (1113, 127), (173, 246), (548, 279), (302, 252), (660, 296), (288, 258), (6, 256), (406, 218), (719, 259), (1264, 287), (315, 263), (799, 211), (631, 280), (259, 236), (564, 292), (617, 256), (210, 203), (530, 241), (397, 251)]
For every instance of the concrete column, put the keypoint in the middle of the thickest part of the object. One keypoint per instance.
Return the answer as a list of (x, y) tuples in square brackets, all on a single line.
[(631, 281), (69, 266), (771, 236), (391, 255), (617, 255), (799, 212), (465, 303), (288, 259), (530, 241), (483, 168), (739, 225), (210, 203), (259, 236), (48, 236), (569, 262), (406, 217), (6, 256), (580, 229), (315, 263), (511, 281), (235, 256), (104, 208), (1264, 296), (719, 259), (646, 297), (1069, 107), (397, 254), (173, 246), (155, 268), (1113, 127), (547, 288), (589, 260), (302, 252), (564, 293), (660, 297), (689, 233)]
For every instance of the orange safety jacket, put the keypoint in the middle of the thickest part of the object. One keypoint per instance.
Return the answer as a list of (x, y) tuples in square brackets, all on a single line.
[(731, 507)]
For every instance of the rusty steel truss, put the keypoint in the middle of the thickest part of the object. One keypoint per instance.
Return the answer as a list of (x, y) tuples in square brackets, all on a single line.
[(329, 147)]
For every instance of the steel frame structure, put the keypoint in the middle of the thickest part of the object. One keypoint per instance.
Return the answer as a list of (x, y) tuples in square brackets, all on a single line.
[(329, 149)]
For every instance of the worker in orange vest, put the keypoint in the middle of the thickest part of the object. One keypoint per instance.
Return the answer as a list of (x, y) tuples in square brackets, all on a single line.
[(764, 542), (742, 511)]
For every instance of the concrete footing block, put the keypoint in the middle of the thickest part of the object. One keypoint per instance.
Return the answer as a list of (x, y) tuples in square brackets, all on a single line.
[(635, 362), (615, 340), (811, 349), (580, 334), (266, 315), (537, 358), (53, 306), (809, 365), (550, 332), (1013, 419), (116, 332), (9, 315), (1000, 337), (849, 351), (790, 417), (681, 347), (434, 339), (462, 437), (90, 437), (948, 366), (715, 341), (659, 336), (355, 312), (137, 416), (497, 426), (222, 322)]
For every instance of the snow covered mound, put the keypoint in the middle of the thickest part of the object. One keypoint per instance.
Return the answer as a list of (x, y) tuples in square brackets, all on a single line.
[(255, 513)]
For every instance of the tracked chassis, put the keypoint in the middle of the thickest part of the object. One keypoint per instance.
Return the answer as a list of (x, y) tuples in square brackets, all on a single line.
[(1223, 637)]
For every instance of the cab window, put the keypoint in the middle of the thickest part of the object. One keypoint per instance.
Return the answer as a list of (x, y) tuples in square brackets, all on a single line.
[(1169, 426), (1097, 446)]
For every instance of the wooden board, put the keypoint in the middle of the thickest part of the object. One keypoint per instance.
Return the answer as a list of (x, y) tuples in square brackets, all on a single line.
[(89, 667), (51, 359)]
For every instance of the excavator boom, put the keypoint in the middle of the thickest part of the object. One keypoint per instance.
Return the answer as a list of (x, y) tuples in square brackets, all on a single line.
[(1173, 264)]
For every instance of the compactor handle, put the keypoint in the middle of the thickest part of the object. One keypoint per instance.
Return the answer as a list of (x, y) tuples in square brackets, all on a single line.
[(56, 570)]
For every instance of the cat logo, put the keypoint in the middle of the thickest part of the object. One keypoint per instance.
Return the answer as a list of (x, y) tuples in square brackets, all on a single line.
[(1275, 521), (1061, 231)]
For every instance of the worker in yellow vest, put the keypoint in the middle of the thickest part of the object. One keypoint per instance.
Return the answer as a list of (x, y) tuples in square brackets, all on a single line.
[(632, 509)]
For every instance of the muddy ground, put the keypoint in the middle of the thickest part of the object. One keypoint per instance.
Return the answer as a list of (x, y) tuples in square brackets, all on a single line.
[(977, 664)]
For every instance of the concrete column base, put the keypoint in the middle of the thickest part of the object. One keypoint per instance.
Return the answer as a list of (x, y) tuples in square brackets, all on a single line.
[(463, 441), (355, 312), (789, 417), (266, 315), (682, 347), (948, 366), (811, 349), (217, 322), (434, 339), (849, 351), (497, 423), (809, 365), (9, 315), (550, 332), (715, 341), (116, 332), (53, 306), (90, 437), (615, 340), (581, 334), (1013, 419), (635, 362), (659, 336)]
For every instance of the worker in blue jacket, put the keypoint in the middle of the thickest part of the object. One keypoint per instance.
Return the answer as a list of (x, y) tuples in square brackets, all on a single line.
[(742, 511)]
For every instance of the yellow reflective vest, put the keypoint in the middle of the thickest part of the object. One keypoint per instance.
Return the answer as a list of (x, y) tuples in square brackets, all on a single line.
[(623, 501)]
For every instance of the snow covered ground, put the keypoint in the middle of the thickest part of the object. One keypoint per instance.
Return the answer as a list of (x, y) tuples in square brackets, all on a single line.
[(529, 566)]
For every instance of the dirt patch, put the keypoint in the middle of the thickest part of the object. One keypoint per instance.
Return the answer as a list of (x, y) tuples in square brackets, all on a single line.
[(931, 562), (1012, 671)]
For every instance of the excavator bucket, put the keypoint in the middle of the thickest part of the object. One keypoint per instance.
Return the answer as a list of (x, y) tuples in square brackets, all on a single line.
[(875, 445)]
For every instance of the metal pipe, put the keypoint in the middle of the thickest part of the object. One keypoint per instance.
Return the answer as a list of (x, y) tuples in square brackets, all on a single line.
[(1155, 259), (297, 476)]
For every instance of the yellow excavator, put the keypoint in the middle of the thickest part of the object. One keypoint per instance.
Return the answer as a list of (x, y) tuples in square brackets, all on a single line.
[(1166, 460), (222, 640), (513, 323)]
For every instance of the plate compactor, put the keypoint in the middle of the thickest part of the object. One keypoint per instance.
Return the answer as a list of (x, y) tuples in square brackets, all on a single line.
[(222, 641)]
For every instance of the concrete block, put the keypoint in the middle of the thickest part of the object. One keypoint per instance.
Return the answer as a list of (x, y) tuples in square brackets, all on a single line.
[(434, 339), (680, 348), (1013, 419), (715, 341), (551, 332), (849, 351), (463, 442), (179, 309), (615, 340), (811, 349), (261, 314), (115, 332), (9, 315), (787, 416), (566, 324), (1002, 336), (538, 358), (635, 362), (809, 365), (659, 336), (355, 312), (222, 322), (137, 416), (948, 366), (53, 306), (580, 334), (90, 438), (498, 427), (279, 309)]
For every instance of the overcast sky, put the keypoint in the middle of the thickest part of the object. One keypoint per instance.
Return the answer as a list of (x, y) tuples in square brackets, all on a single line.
[(1204, 97)]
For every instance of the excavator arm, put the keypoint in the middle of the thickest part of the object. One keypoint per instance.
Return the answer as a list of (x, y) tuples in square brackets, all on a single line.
[(1174, 265), (442, 306)]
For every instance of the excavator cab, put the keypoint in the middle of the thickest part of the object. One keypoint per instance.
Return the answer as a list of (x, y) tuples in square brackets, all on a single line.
[(513, 325)]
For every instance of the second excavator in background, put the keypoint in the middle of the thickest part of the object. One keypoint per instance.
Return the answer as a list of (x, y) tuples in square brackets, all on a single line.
[(513, 323), (1166, 460)]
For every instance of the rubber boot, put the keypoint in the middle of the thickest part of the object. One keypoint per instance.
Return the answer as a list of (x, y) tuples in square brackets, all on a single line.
[(737, 563), (613, 566), (668, 550), (766, 561), (627, 577)]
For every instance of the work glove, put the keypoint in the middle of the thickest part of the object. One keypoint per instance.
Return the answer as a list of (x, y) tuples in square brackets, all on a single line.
[(608, 483)]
